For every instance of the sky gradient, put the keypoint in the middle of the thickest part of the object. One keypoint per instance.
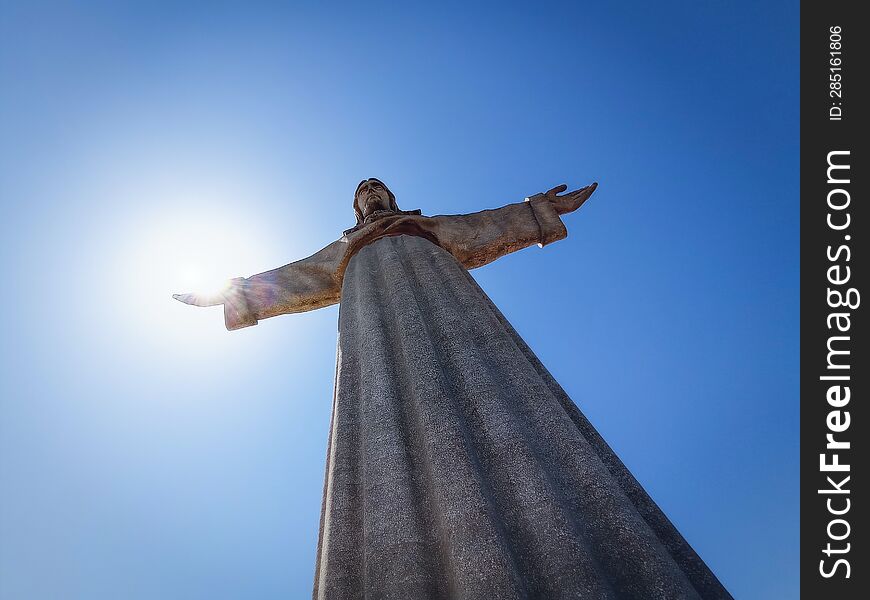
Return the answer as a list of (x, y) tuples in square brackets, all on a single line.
[(146, 453)]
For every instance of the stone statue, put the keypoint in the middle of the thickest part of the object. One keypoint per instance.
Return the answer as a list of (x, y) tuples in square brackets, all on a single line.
[(457, 467)]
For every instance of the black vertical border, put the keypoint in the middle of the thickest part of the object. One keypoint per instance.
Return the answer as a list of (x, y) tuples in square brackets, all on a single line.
[(819, 136)]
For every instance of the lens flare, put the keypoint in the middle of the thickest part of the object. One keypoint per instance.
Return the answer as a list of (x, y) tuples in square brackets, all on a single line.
[(182, 253)]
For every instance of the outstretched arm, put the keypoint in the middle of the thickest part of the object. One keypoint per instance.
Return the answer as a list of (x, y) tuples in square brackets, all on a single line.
[(482, 237), (306, 284)]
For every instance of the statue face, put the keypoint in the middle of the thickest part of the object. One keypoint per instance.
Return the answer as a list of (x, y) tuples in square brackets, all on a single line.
[(372, 195)]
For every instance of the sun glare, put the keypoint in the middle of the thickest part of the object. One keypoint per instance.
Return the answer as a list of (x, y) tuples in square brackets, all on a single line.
[(181, 253)]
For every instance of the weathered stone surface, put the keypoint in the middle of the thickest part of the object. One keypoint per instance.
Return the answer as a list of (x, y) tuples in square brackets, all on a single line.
[(457, 466), (474, 239)]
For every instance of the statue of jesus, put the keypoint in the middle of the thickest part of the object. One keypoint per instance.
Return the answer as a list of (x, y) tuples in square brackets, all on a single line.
[(457, 467)]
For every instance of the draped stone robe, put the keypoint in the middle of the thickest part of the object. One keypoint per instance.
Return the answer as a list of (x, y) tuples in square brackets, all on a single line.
[(457, 467)]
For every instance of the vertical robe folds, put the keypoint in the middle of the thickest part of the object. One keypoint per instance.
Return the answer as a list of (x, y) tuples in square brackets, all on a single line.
[(457, 467)]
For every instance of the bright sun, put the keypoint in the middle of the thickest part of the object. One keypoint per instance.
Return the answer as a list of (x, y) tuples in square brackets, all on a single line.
[(181, 253)]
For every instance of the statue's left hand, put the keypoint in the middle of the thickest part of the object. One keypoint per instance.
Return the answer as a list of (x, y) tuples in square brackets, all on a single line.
[(200, 299), (568, 202)]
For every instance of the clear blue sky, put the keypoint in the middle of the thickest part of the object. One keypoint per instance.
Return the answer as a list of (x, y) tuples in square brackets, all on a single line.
[(147, 453)]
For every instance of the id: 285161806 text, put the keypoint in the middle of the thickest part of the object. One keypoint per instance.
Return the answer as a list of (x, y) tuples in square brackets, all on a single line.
[(835, 75)]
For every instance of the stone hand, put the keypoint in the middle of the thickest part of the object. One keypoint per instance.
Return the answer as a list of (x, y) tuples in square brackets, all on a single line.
[(567, 202), (200, 299)]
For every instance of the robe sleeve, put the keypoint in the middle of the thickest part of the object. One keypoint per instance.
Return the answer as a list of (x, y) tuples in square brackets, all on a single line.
[(306, 284), (482, 237)]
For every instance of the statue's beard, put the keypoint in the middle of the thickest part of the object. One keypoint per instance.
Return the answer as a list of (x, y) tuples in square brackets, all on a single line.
[(375, 203)]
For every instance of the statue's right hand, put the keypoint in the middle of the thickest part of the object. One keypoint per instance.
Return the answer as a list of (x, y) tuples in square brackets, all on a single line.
[(200, 299)]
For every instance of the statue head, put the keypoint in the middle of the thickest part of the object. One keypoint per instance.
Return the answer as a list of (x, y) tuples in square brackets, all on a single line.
[(372, 195)]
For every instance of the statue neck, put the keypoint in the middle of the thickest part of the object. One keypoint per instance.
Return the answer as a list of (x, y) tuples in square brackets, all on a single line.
[(380, 214)]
